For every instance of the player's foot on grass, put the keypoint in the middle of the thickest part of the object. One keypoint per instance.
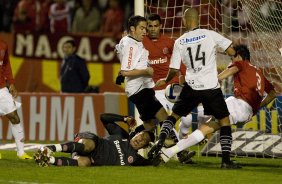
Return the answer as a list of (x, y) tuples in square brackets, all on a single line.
[(185, 157), (42, 156), (25, 156), (230, 165)]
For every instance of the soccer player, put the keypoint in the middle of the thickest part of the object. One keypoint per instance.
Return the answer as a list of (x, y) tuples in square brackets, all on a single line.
[(196, 48), (249, 87), (160, 49), (8, 105), (90, 150), (138, 75)]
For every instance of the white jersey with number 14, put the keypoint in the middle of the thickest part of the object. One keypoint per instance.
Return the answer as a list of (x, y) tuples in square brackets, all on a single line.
[(197, 50)]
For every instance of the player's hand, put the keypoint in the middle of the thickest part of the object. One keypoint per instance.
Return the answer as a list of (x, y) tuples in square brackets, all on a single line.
[(13, 91), (150, 71), (155, 150), (160, 82), (131, 121)]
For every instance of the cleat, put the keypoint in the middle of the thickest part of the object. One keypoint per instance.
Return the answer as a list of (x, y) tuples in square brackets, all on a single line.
[(184, 157), (230, 165), (25, 156), (157, 161), (42, 156), (155, 150)]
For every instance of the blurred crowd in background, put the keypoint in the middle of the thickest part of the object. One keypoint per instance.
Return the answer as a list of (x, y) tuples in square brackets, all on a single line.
[(110, 16), (75, 16)]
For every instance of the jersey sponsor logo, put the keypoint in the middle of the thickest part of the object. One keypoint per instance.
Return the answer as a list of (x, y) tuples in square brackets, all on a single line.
[(158, 61), (130, 159), (130, 58), (195, 39), (119, 152)]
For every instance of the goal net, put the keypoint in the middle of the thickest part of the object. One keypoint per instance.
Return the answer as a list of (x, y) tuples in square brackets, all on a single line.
[(257, 24)]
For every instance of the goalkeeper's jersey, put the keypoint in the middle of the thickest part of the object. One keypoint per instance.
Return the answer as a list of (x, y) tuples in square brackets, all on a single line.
[(115, 150), (197, 50)]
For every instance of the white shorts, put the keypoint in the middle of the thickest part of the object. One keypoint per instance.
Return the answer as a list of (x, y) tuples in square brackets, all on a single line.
[(240, 111), (7, 102), (160, 95)]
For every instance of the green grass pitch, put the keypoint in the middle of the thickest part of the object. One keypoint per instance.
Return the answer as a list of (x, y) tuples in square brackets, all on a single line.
[(205, 170)]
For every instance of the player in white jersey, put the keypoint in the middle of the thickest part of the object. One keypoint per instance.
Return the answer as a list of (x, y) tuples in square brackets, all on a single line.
[(197, 50), (138, 75)]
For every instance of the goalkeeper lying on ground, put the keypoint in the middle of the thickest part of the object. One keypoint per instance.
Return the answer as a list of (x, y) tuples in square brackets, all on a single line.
[(90, 150)]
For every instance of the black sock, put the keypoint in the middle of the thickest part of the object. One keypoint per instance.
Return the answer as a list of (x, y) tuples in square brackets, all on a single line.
[(71, 147), (173, 136), (64, 161), (225, 142), (167, 126), (52, 148)]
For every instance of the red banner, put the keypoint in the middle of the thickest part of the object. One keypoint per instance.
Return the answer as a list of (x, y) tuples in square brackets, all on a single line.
[(49, 46)]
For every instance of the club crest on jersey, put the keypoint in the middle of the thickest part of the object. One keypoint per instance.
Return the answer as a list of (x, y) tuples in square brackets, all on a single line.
[(165, 50), (130, 159), (195, 39)]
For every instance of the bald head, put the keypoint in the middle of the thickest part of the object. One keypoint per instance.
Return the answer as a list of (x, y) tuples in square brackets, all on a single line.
[(191, 18)]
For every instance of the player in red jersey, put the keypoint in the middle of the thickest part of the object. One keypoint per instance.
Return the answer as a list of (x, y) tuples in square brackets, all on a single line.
[(9, 106), (249, 88), (160, 50)]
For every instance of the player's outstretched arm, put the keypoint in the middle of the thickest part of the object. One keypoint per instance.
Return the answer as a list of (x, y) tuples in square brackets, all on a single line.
[(138, 72), (111, 123), (228, 72), (171, 73)]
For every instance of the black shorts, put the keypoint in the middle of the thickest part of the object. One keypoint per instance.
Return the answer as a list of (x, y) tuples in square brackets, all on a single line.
[(212, 100), (146, 103)]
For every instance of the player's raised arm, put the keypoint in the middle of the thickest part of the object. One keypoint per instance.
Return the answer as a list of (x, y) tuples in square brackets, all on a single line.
[(117, 124)]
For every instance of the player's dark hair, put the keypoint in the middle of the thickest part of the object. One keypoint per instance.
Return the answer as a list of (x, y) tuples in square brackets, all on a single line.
[(243, 51), (134, 21), (72, 42), (151, 135), (153, 17)]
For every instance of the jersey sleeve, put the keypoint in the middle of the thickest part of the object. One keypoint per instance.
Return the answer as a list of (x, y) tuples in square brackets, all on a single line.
[(175, 60), (110, 122), (220, 40)]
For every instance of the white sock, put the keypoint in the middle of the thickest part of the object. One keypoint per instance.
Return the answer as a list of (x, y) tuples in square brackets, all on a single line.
[(18, 133), (184, 126), (58, 147), (52, 160), (196, 137)]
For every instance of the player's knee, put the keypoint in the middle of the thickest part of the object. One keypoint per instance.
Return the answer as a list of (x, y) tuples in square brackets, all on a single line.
[(89, 145), (84, 162)]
